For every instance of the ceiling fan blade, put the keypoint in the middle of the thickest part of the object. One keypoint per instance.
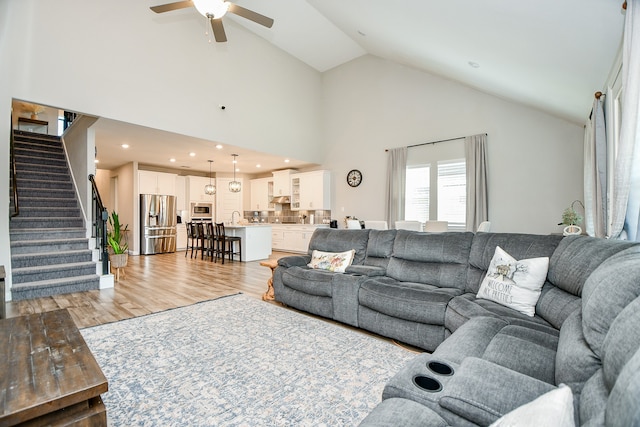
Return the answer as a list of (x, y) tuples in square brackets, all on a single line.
[(171, 6), (250, 15), (218, 30)]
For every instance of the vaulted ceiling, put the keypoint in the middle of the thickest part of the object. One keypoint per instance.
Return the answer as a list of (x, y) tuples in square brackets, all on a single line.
[(548, 54)]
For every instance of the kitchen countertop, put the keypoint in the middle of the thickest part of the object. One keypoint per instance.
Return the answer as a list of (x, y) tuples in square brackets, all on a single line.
[(297, 224), (273, 224)]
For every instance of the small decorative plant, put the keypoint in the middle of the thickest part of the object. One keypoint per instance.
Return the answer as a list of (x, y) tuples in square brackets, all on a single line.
[(116, 236), (570, 216)]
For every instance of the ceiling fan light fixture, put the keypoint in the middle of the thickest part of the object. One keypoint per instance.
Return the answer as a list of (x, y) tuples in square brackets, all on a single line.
[(215, 9)]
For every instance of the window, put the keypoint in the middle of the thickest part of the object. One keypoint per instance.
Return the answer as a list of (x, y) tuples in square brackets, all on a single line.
[(416, 204), (437, 193), (452, 193)]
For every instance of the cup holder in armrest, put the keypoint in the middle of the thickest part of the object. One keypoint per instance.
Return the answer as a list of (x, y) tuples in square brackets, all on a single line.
[(440, 368), (427, 383)]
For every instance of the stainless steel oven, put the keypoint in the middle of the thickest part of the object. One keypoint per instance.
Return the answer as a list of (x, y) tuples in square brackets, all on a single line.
[(201, 210)]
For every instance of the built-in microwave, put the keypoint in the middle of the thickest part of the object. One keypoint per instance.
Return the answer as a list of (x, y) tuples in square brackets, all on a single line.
[(201, 210)]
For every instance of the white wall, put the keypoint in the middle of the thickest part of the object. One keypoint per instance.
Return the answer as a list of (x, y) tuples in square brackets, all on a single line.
[(128, 201), (10, 64), (122, 61), (80, 143), (535, 160)]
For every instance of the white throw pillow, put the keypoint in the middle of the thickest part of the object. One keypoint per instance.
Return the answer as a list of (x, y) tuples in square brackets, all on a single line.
[(554, 408), (332, 261), (512, 283)]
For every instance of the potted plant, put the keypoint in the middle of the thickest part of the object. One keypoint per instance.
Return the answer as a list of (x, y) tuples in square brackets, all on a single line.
[(116, 239), (571, 218)]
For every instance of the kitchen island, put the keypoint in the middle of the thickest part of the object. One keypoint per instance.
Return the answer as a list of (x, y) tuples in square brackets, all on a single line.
[(256, 240)]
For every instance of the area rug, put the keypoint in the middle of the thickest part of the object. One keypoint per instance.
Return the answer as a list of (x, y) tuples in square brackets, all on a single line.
[(239, 361)]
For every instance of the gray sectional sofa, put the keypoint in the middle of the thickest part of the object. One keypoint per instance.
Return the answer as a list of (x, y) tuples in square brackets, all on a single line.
[(483, 359)]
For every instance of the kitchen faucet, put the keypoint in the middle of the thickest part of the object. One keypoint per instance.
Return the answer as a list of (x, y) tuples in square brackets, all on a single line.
[(232, 216)]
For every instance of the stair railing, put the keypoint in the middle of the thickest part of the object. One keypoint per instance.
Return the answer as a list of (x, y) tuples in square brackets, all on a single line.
[(16, 204), (99, 232)]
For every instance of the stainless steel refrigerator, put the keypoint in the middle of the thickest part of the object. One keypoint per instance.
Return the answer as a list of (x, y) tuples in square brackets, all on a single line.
[(157, 224)]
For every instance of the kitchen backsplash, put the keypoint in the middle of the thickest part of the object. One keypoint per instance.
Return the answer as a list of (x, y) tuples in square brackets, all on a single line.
[(287, 216)]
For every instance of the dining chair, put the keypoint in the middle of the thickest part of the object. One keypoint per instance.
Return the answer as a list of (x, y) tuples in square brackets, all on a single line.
[(436, 226), (484, 226), (226, 244), (353, 224), (409, 225), (376, 225)]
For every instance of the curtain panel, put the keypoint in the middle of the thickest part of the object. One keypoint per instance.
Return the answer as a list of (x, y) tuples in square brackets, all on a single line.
[(626, 193), (630, 125), (396, 184), (477, 194), (595, 172)]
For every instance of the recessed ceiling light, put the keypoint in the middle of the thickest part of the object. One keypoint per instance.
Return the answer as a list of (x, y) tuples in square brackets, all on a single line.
[(172, 160), (192, 154), (219, 146), (286, 160), (258, 165), (473, 64), (237, 169), (96, 161), (125, 145)]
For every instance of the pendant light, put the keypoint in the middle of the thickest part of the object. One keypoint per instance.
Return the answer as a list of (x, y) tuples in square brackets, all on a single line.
[(210, 189), (235, 186)]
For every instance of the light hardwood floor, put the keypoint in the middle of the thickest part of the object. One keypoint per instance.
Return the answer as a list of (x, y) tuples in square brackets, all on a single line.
[(155, 283)]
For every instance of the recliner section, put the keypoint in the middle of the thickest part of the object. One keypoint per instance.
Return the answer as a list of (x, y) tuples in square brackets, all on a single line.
[(420, 288)]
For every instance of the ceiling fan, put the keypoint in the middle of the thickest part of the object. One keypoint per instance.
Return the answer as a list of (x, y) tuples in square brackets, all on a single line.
[(214, 10)]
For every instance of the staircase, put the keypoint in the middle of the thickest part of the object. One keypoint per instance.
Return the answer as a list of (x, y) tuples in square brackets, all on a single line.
[(50, 252)]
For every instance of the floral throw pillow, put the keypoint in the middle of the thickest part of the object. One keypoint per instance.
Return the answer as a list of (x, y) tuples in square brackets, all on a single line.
[(512, 283), (332, 261)]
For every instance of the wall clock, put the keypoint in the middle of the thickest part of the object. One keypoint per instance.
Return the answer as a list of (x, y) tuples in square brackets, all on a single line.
[(354, 177)]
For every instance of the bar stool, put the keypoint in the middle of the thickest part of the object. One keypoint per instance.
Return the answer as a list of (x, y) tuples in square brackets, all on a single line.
[(226, 244), (200, 239), (212, 241), (191, 238)]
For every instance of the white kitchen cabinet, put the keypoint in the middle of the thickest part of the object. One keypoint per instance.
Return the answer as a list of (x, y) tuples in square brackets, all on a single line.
[(311, 191), (282, 182), (261, 194), (291, 238), (181, 193), (195, 187), (228, 202), (181, 236), (150, 182)]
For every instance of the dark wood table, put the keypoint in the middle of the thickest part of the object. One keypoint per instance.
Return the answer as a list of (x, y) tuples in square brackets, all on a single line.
[(48, 375)]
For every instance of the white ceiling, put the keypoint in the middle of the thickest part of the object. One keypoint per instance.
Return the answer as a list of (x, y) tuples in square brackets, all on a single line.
[(549, 54), (154, 147)]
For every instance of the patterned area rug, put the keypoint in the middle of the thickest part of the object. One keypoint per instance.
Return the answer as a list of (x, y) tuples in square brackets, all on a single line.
[(238, 361)]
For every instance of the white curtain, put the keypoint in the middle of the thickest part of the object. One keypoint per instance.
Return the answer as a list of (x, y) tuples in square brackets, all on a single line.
[(630, 124), (595, 172), (396, 183), (475, 147), (626, 193)]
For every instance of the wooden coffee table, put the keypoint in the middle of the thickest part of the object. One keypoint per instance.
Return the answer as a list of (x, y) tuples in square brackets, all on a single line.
[(48, 375)]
